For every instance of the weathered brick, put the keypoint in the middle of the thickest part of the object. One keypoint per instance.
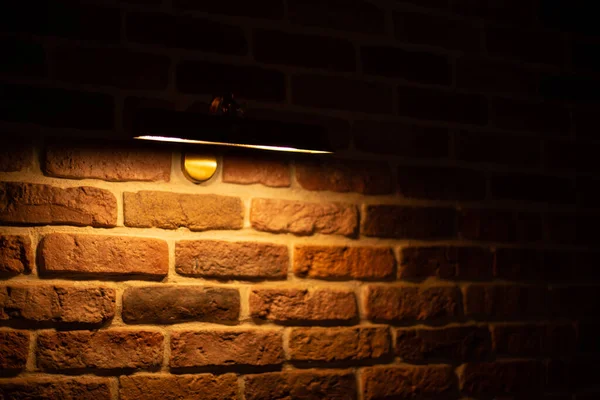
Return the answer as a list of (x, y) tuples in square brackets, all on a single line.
[(574, 301), (290, 305), (539, 117), (107, 161), (81, 388), (24, 57), (35, 204), (339, 344), (197, 212), (499, 225), (104, 349), (482, 147), (272, 9), (103, 255), (508, 11), (14, 349), (587, 338), (357, 16), (520, 264), (306, 384), (500, 377), (454, 344), (15, 155), (470, 263), (387, 382), (182, 387), (247, 170), (526, 45), (172, 304), (337, 262), (438, 183), (254, 347), (540, 188), (299, 218), (410, 303), (534, 340), (241, 260), (61, 304), (16, 254), (345, 176), (133, 104), (505, 301), (408, 222)]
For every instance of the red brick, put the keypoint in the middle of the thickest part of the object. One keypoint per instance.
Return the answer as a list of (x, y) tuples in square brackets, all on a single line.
[(103, 255), (276, 47), (534, 340), (499, 77), (497, 149), (469, 263), (588, 195), (581, 52), (437, 105), (247, 170), (24, 57), (525, 45), (563, 266), (14, 349), (306, 384), (408, 222), (501, 377), (411, 303), (185, 32), (414, 66), (521, 264), (272, 9), (60, 304), (341, 93), (561, 228), (291, 305), (241, 260), (366, 177), (105, 349), (254, 347), (454, 344), (587, 338), (585, 122), (107, 161), (173, 304), (387, 382), (182, 387), (505, 301), (338, 344), (441, 183), (539, 117), (197, 212), (299, 218), (338, 262), (499, 225), (574, 301), (357, 16), (401, 139), (16, 255), (244, 81), (512, 11), (15, 155), (529, 187), (132, 105), (81, 388)]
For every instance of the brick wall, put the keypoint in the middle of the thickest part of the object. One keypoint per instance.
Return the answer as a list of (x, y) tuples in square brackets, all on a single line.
[(447, 251)]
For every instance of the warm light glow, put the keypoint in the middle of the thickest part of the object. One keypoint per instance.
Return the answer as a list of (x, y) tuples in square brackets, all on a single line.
[(249, 146)]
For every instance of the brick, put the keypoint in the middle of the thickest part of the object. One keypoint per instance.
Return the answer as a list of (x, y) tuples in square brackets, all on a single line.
[(197, 212), (430, 104), (35, 204), (341, 93), (15, 155), (497, 149), (291, 305), (186, 33), (239, 260), (183, 387), (408, 65), (544, 118), (14, 349), (271, 9), (24, 57), (520, 264), (431, 30), (16, 255), (173, 304), (529, 187), (525, 45), (587, 338), (57, 108), (581, 54), (340, 262), (366, 177), (408, 222), (501, 77), (59, 304), (411, 303), (516, 12), (306, 384), (270, 172), (561, 228), (357, 16), (299, 218), (465, 263), (499, 225), (116, 67), (441, 183), (132, 106), (83, 388), (574, 301), (254, 347), (500, 377), (561, 154), (454, 344), (107, 161), (245, 81), (505, 301), (387, 382), (588, 196), (103, 255), (105, 349), (534, 340), (338, 344), (310, 51), (401, 139)]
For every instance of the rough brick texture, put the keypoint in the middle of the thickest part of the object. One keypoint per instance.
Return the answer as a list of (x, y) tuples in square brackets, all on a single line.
[(84, 388), (14, 155), (465, 263), (408, 222), (184, 387), (501, 377), (14, 349), (16, 254), (505, 301), (248, 170), (534, 339)]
